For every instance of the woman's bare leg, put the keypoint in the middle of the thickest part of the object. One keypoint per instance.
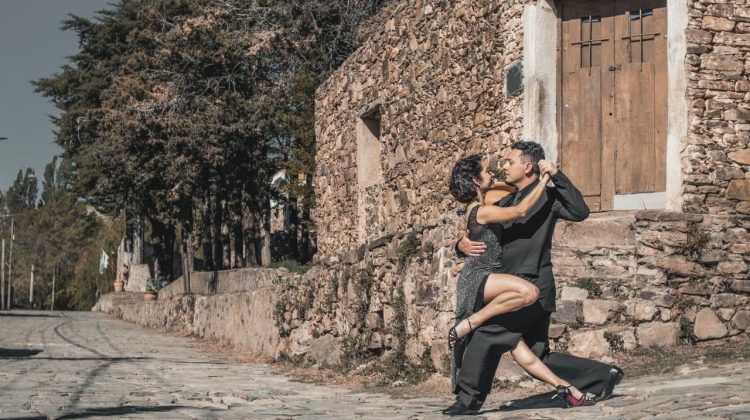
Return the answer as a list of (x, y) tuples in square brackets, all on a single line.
[(528, 360), (503, 293)]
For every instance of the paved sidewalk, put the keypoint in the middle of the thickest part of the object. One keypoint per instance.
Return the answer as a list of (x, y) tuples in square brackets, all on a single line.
[(87, 365)]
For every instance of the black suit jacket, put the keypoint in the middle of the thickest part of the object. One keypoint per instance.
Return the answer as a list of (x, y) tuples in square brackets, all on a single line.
[(527, 242)]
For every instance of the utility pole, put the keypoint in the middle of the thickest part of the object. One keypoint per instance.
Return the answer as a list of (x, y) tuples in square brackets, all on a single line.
[(2, 277), (10, 264), (31, 287), (54, 269)]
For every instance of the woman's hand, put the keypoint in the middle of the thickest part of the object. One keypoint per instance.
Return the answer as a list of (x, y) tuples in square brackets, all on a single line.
[(547, 167), (545, 179)]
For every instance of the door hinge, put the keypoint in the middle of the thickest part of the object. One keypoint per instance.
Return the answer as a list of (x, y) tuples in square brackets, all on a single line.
[(615, 68)]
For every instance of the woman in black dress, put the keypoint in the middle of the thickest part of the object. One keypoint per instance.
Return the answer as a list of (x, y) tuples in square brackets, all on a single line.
[(482, 291)]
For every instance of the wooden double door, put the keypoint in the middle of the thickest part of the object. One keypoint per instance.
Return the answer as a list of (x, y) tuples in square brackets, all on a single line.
[(613, 101)]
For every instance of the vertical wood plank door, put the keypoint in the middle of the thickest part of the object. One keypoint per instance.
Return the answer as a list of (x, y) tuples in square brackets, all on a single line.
[(640, 96), (587, 52), (613, 97)]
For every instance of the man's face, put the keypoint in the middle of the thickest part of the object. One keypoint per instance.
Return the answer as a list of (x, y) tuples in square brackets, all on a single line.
[(516, 168)]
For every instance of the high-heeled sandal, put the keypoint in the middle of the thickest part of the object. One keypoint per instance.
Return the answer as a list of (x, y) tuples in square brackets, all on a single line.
[(453, 338), (564, 394)]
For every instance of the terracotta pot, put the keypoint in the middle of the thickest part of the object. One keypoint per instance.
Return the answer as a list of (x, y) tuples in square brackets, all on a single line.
[(149, 295), (119, 286)]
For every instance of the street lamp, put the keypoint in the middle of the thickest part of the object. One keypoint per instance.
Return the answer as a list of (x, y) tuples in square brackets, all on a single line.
[(3, 138)]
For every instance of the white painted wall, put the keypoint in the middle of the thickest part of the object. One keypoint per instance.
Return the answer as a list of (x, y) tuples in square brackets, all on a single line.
[(540, 76), (677, 20)]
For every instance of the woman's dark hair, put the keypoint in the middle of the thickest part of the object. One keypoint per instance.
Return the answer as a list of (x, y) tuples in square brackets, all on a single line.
[(464, 173)]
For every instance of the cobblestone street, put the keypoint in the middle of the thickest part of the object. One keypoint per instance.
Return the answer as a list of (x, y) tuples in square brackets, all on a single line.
[(86, 365)]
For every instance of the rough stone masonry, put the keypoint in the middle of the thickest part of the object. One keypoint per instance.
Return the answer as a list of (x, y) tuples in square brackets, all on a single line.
[(435, 73)]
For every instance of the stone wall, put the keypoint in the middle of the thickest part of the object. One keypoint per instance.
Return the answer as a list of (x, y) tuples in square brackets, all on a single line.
[(226, 281), (436, 75), (437, 69), (652, 278), (715, 153), (645, 279), (241, 319), (624, 280)]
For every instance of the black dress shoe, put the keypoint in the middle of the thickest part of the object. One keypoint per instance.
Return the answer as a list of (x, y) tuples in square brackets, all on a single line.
[(458, 409), (615, 376)]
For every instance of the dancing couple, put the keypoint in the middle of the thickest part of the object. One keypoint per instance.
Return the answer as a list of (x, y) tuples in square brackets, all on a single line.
[(506, 289)]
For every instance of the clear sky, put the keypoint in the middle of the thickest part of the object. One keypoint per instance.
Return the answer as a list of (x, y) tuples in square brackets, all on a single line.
[(32, 46)]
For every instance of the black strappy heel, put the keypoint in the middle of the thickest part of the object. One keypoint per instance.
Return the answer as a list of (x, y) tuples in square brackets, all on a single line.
[(453, 338)]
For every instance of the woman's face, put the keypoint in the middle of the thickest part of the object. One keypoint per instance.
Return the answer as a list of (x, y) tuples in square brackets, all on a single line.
[(485, 177)]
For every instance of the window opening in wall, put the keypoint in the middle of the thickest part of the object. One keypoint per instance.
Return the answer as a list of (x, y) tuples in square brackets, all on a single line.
[(514, 79), (372, 122), (369, 146)]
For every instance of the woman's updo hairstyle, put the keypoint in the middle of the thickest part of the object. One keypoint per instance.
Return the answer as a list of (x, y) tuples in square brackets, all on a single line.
[(465, 172)]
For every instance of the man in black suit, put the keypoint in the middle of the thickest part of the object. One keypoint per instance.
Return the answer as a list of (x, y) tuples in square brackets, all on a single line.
[(527, 247)]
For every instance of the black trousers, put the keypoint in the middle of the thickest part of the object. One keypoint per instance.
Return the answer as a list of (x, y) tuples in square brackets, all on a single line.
[(500, 334)]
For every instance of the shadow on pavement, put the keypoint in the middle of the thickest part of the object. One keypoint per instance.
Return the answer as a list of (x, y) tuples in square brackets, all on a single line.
[(533, 402), (529, 403), (17, 353), (123, 410), (28, 315), (102, 359)]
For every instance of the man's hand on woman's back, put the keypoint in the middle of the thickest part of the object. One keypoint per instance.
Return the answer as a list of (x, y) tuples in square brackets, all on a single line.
[(471, 248)]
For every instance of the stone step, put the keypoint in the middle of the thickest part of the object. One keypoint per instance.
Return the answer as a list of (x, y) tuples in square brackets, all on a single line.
[(125, 297), (601, 230), (108, 301)]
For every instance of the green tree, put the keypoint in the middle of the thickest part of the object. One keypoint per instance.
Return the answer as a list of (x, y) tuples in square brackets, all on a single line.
[(23, 193), (176, 113), (63, 237)]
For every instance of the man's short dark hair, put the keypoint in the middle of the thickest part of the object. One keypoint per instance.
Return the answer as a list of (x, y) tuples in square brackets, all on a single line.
[(530, 150)]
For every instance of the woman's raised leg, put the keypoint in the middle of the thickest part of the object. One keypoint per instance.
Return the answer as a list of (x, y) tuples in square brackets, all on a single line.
[(503, 293)]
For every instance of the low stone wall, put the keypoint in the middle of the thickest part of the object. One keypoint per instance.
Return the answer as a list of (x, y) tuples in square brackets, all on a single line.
[(650, 279), (241, 314), (624, 280), (225, 281)]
